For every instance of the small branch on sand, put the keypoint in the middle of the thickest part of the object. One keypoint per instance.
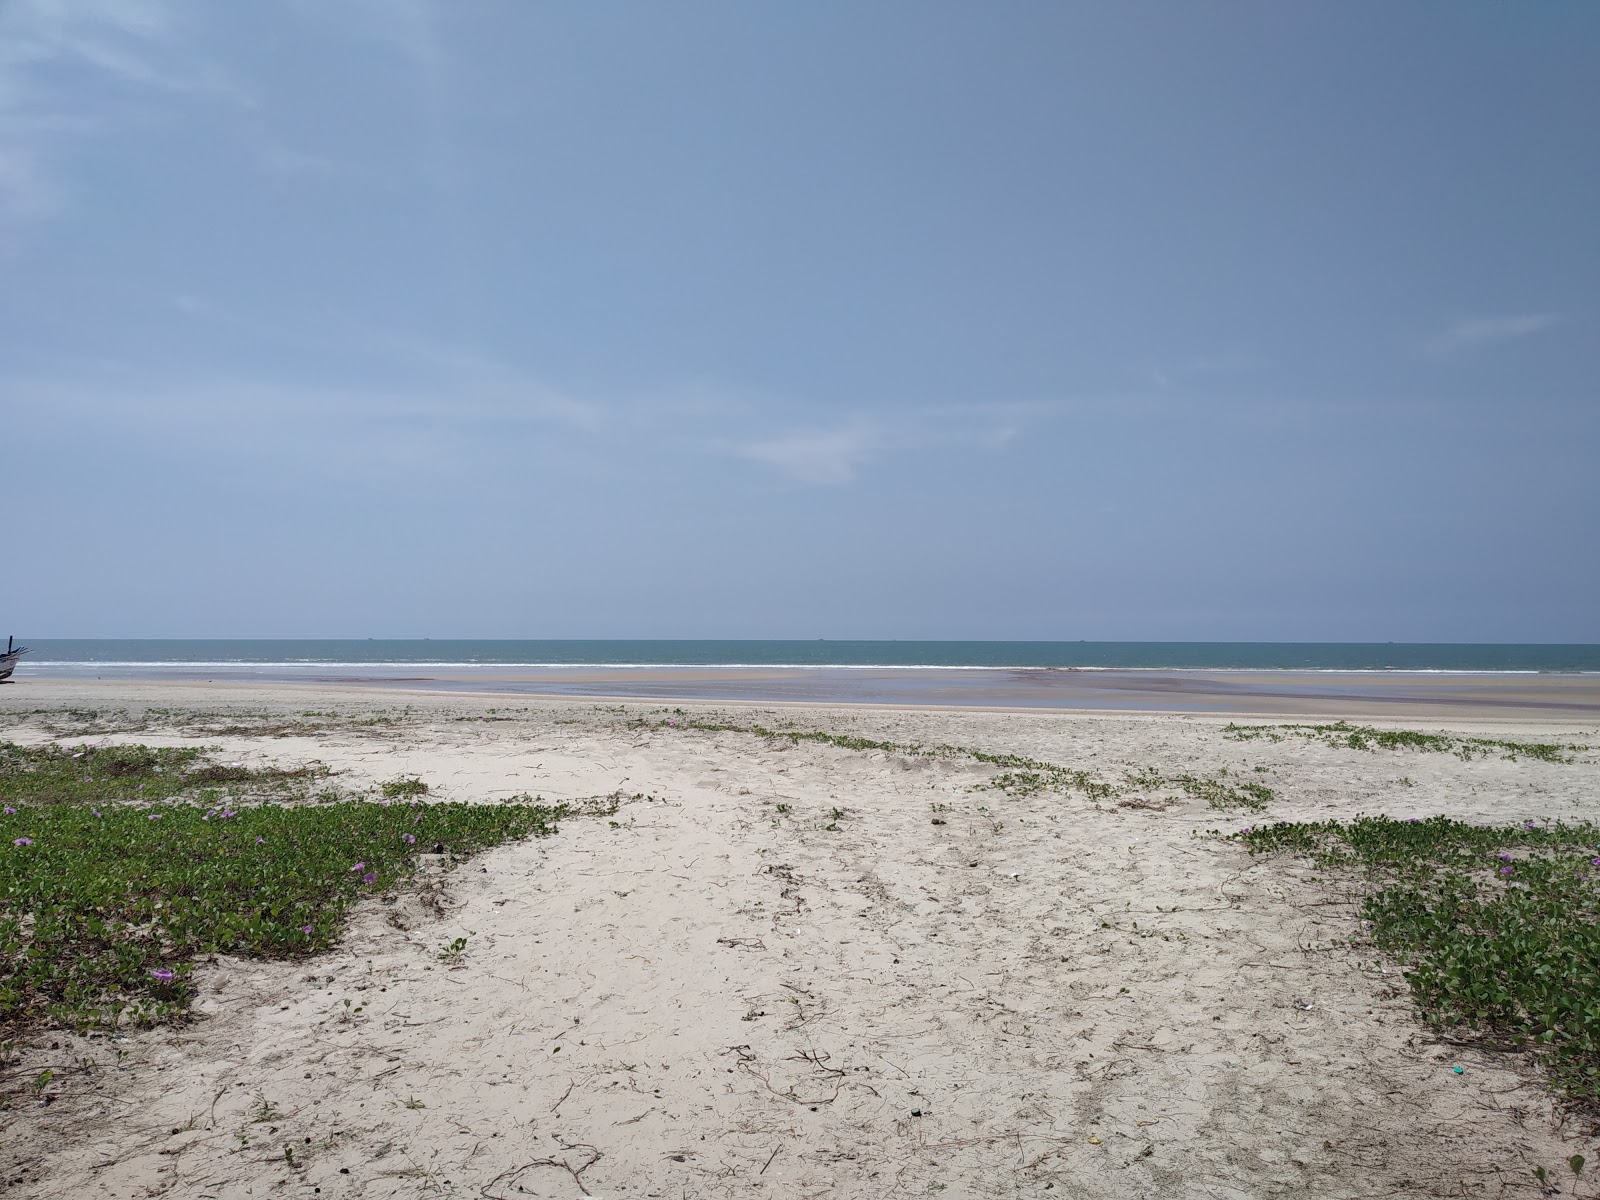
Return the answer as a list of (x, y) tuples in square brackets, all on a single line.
[(570, 1085), (576, 1172)]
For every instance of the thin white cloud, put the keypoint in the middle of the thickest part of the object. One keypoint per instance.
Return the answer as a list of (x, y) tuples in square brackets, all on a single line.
[(1206, 364), (837, 455), (133, 42), (25, 193), (282, 160), (133, 68), (825, 457), (410, 31), (1480, 331)]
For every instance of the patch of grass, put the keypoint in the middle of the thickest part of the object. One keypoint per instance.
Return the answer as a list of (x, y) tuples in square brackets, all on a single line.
[(1221, 794), (1019, 776), (105, 906), (404, 788), (1344, 735), (92, 774), (1497, 928)]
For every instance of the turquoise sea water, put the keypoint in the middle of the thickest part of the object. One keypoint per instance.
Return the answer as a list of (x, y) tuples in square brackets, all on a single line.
[(140, 657)]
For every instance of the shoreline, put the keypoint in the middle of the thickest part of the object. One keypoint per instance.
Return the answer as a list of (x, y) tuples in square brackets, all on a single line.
[(1358, 696)]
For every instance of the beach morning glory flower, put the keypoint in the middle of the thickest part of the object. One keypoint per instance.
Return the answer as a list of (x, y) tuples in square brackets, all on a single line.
[(9, 810), (1594, 862), (162, 974), (359, 867), (153, 817), (409, 839), (305, 929), (1503, 857), (23, 842), (97, 812), (369, 877), (1505, 870), (261, 841)]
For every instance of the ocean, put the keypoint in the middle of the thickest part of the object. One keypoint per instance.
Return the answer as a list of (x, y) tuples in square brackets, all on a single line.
[(142, 657), (1233, 677)]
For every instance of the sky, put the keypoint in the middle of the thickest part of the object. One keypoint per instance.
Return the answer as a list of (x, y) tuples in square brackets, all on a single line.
[(1142, 321)]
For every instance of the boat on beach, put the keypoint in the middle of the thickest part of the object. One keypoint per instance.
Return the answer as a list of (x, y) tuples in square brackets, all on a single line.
[(8, 660)]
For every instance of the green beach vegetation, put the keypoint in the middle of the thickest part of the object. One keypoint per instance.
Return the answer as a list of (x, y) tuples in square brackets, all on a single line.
[(122, 867), (1019, 774), (1495, 927), (1345, 736)]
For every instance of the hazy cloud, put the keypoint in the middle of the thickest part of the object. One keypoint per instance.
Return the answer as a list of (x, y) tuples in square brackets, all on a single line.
[(25, 193), (1206, 364), (1479, 331), (281, 160), (811, 457), (130, 41)]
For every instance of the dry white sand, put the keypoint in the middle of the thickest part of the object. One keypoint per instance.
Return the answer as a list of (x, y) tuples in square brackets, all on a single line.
[(729, 991)]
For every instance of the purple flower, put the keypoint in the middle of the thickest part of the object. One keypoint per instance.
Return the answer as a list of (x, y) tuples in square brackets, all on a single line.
[(1505, 870), (23, 842), (162, 974), (10, 811), (97, 812), (153, 817), (88, 779), (261, 841), (359, 867), (1594, 862), (416, 818), (369, 877), (305, 929), (1412, 820), (1503, 857)]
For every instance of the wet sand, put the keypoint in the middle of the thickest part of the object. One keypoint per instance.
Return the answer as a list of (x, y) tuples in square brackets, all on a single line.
[(1355, 695)]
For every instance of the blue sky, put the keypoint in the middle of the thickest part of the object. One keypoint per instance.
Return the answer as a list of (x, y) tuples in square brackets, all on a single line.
[(1106, 321)]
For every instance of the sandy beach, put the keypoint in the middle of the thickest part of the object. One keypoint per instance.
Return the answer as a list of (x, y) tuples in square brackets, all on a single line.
[(806, 970)]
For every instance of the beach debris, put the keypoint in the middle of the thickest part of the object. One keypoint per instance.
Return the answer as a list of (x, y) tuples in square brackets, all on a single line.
[(1459, 1070), (1094, 1139)]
